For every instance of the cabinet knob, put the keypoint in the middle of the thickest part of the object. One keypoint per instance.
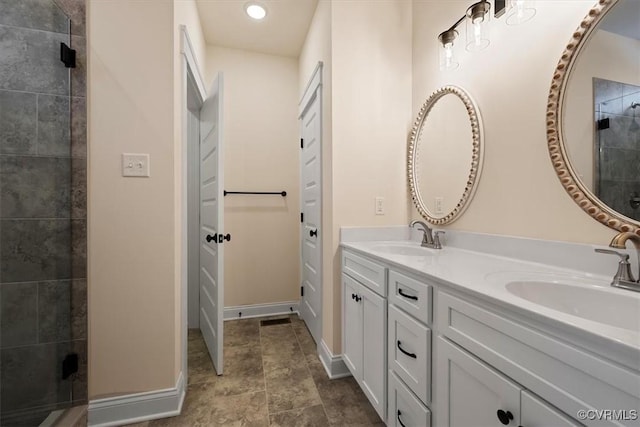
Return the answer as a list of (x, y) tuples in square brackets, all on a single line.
[(505, 417), (313, 233), (210, 237), (353, 296)]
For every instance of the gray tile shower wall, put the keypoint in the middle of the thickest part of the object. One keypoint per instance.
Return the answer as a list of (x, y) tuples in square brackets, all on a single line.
[(43, 198), (618, 164)]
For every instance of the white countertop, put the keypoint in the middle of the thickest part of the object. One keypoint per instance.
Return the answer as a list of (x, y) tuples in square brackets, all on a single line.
[(486, 276)]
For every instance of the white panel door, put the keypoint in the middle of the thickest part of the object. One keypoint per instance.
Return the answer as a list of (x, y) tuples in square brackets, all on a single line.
[(310, 169), (211, 223)]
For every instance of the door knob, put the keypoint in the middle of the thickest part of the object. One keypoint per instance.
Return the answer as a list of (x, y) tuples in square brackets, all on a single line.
[(313, 233), (210, 237), (505, 417), (222, 238)]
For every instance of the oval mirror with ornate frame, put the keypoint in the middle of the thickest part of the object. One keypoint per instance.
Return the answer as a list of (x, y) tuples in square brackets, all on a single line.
[(581, 178), (445, 155)]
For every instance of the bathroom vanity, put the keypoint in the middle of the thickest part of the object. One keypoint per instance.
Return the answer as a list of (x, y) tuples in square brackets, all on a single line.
[(464, 337)]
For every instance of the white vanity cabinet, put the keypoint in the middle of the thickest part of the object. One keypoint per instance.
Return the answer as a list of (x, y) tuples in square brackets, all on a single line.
[(474, 394), (488, 362), (364, 325)]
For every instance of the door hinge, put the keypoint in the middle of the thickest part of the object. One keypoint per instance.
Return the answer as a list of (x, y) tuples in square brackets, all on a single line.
[(301, 217), (301, 143), (301, 291), (69, 365)]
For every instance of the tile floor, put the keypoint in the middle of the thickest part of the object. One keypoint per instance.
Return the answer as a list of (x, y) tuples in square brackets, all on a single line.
[(273, 377)]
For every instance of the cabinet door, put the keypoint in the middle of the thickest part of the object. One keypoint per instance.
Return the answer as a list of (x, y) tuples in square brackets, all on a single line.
[(374, 371), (538, 413), (351, 326), (470, 393)]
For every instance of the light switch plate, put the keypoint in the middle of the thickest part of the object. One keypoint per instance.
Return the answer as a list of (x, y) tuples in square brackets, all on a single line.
[(134, 164), (379, 205)]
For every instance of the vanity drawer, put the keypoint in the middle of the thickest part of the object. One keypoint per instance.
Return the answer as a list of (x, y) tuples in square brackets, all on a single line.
[(411, 295), (370, 274), (569, 376), (410, 352), (404, 408)]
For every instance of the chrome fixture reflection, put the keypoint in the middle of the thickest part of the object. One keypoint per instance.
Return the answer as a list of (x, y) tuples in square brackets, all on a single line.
[(520, 11), (430, 239), (624, 277)]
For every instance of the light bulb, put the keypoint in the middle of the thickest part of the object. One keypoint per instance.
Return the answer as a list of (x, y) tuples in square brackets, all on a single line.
[(477, 32), (448, 55)]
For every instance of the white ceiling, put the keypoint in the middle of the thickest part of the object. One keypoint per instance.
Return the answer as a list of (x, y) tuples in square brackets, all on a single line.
[(282, 32), (623, 19)]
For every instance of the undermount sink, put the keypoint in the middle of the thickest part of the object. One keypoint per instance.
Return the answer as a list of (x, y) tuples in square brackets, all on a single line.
[(406, 249), (588, 302)]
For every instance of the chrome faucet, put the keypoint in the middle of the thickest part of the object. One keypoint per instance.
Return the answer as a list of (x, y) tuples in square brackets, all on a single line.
[(624, 277), (430, 239)]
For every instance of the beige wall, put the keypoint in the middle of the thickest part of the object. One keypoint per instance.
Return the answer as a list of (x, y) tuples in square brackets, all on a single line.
[(366, 51), (317, 48), (131, 220), (519, 193), (134, 248), (261, 153), (607, 56)]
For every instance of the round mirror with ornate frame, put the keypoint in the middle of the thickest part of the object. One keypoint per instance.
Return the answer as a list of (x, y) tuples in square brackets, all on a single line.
[(445, 155), (592, 166)]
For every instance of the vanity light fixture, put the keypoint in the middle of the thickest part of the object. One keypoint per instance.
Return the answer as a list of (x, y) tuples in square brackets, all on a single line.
[(448, 60), (477, 18), (255, 11), (520, 11)]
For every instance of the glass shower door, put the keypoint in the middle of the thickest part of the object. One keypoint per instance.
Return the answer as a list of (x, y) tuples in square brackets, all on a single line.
[(37, 344)]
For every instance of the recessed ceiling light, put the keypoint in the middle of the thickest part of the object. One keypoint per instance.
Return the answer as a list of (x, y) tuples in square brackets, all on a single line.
[(255, 11)]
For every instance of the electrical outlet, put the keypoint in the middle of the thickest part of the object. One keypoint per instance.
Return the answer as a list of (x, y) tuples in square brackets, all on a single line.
[(439, 201), (379, 205), (135, 165)]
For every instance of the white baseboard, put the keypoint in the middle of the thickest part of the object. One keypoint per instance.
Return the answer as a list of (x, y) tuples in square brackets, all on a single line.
[(135, 408), (259, 310), (334, 365)]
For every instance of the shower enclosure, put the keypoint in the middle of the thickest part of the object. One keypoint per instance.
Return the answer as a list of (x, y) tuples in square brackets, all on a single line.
[(617, 145), (42, 210)]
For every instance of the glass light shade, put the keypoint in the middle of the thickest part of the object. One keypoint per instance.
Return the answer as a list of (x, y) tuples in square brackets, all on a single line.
[(520, 11), (446, 51), (477, 24)]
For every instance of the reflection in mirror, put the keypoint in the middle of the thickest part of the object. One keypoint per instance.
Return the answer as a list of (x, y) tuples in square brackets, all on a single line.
[(445, 155), (601, 120)]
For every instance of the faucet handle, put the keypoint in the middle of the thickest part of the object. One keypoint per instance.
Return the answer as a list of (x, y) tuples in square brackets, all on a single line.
[(623, 257), (436, 239), (624, 273)]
